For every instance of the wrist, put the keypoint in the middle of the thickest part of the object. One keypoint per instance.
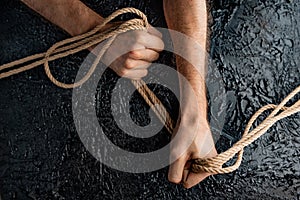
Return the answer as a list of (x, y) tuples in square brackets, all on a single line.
[(85, 21), (192, 118), (193, 104), (73, 16)]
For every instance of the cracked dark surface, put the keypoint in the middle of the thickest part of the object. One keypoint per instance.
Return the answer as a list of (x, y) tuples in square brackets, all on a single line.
[(254, 44)]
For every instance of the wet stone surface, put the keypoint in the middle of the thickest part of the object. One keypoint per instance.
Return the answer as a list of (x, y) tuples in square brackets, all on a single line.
[(254, 44)]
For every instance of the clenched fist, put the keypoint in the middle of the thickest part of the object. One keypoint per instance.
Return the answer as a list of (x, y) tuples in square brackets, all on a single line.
[(131, 53)]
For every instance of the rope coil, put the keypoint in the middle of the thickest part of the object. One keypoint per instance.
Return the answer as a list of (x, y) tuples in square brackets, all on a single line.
[(81, 42)]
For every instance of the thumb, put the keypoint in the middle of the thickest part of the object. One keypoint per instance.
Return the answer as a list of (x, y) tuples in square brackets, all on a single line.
[(176, 170)]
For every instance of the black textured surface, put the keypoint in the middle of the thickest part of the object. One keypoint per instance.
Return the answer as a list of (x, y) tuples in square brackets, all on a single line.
[(255, 45)]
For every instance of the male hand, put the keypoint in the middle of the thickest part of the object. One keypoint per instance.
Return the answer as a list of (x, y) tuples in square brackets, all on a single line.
[(131, 53), (195, 142)]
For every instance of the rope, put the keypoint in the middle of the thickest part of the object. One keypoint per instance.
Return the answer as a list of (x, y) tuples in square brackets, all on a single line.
[(78, 43), (215, 165)]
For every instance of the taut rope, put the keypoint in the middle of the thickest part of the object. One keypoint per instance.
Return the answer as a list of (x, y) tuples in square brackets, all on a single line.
[(78, 43)]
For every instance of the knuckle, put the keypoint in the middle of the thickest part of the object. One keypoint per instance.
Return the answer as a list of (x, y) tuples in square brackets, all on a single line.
[(135, 55), (145, 73), (128, 64), (156, 56), (122, 72), (151, 56)]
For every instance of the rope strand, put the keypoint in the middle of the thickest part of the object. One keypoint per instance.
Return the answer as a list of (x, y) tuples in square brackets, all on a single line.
[(81, 42)]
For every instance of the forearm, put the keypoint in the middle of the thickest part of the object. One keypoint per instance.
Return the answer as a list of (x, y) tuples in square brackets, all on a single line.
[(190, 17), (71, 15)]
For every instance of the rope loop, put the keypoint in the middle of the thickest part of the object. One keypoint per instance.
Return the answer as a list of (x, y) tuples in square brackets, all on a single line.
[(81, 42), (215, 165)]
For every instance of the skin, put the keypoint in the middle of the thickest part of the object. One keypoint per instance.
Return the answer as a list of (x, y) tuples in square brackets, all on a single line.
[(144, 48), (178, 15)]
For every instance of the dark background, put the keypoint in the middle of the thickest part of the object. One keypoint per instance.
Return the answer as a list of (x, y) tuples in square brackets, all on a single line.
[(255, 46)]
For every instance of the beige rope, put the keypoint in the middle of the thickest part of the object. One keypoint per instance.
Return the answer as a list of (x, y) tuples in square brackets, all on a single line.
[(215, 165), (95, 36)]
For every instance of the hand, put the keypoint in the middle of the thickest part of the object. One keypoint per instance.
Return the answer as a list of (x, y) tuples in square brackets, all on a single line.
[(138, 49), (190, 145)]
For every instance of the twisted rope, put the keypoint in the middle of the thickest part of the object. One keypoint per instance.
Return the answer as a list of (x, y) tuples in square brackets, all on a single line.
[(81, 42), (215, 165)]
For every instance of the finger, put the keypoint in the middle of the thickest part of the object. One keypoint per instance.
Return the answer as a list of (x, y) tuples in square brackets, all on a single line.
[(176, 170), (186, 171), (135, 74), (150, 41), (145, 54), (154, 31), (193, 179), (144, 66), (135, 64)]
